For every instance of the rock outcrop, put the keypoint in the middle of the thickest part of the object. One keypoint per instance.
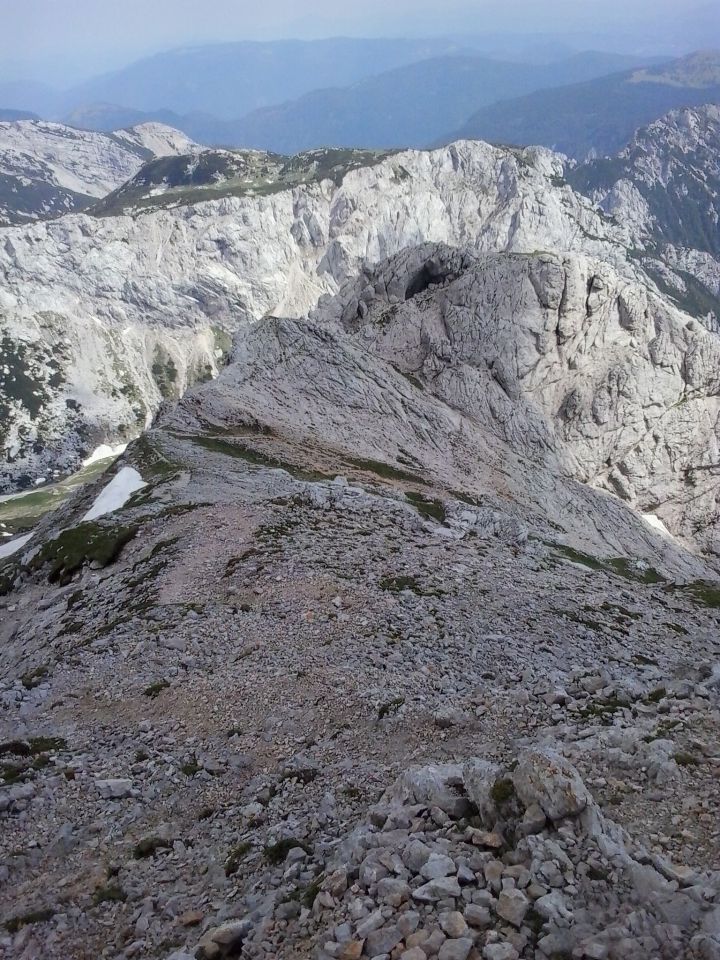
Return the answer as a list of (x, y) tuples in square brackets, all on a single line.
[(226, 262), (508, 372), (664, 187)]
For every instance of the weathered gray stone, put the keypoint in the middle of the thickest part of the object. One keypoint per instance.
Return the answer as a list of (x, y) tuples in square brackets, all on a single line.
[(512, 906), (544, 778)]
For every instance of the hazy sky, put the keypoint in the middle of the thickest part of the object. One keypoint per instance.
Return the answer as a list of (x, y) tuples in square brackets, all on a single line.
[(79, 36)]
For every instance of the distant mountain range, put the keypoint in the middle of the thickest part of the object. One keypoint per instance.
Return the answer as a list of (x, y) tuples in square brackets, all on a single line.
[(13, 115), (292, 96), (597, 117), (406, 107), (410, 105), (230, 80)]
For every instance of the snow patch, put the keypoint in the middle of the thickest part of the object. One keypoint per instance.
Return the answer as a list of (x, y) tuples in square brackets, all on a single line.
[(8, 549), (104, 452), (656, 523), (116, 494)]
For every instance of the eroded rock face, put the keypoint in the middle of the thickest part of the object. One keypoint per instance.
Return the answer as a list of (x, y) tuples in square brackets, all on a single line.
[(225, 263), (514, 373), (569, 363), (672, 164), (663, 187)]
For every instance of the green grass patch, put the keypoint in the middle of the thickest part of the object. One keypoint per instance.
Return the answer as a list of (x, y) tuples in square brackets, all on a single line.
[(427, 507), (390, 707), (684, 759), (657, 695), (241, 450), (85, 543), (14, 924), (190, 767), (155, 689), (397, 584), (380, 469), (502, 792), (704, 593), (276, 853), (109, 893), (236, 857), (603, 710), (621, 566)]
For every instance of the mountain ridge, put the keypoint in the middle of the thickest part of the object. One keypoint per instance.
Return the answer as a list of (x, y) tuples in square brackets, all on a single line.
[(140, 274), (597, 117), (406, 107), (49, 169)]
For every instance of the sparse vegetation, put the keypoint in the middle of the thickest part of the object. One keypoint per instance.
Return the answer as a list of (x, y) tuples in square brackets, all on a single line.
[(276, 853), (236, 857), (502, 792), (33, 678), (190, 767), (427, 507), (85, 543), (390, 707), (14, 924), (155, 689), (149, 847), (109, 893)]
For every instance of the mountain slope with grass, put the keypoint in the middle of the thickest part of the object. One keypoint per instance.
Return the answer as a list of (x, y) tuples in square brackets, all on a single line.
[(49, 169), (598, 117), (410, 106), (361, 667)]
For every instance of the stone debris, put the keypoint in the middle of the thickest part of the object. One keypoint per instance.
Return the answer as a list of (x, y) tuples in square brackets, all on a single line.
[(500, 744)]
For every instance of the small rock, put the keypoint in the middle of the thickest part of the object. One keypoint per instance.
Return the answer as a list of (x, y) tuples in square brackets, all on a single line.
[(116, 789), (414, 953), (512, 906), (477, 916), (453, 924), (352, 950), (438, 866), (383, 940), (438, 890), (500, 951), (393, 892), (455, 949)]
